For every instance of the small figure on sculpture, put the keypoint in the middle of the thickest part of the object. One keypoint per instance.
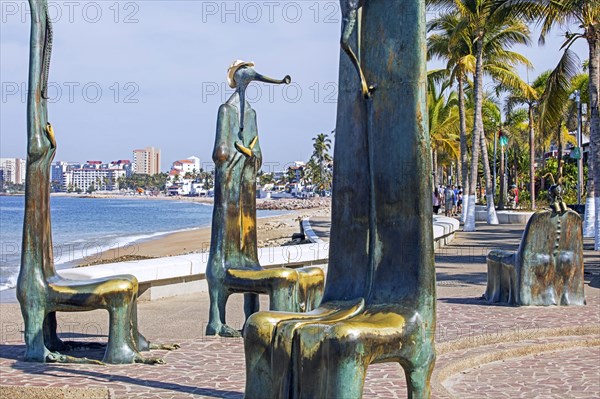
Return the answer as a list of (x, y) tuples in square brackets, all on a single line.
[(351, 21)]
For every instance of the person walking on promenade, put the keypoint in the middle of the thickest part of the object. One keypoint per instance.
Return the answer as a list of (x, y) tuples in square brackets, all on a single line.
[(449, 200), (437, 200)]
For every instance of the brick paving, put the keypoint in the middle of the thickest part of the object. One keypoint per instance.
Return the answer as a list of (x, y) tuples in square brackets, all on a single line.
[(570, 373), (483, 351)]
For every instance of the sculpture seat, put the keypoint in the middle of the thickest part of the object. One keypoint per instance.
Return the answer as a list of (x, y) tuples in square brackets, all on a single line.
[(288, 289), (82, 295), (379, 299), (40, 291), (311, 281), (547, 268), (326, 352)]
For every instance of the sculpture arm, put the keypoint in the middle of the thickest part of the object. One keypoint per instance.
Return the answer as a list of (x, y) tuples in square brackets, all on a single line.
[(349, 20), (247, 151), (224, 147)]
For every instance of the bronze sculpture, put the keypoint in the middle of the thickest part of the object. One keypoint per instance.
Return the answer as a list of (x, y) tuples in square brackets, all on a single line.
[(547, 269), (233, 265), (379, 300), (351, 22), (40, 290)]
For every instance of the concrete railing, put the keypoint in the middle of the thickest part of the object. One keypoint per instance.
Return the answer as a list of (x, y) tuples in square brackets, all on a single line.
[(504, 217), (186, 274)]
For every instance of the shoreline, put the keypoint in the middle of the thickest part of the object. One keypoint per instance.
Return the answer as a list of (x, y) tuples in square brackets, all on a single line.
[(261, 203), (271, 231)]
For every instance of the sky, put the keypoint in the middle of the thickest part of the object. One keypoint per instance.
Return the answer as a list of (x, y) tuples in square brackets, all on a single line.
[(132, 74)]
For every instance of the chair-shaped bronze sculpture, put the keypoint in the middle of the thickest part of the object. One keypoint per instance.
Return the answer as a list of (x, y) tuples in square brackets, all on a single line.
[(547, 269), (233, 264), (379, 300), (40, 290)]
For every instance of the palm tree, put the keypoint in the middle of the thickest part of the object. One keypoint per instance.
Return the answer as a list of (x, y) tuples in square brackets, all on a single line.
[(530, 99), (452, 44), (585, 14), (554, 101), (444, 122), (321, 158), (518, 126), (492, 32)]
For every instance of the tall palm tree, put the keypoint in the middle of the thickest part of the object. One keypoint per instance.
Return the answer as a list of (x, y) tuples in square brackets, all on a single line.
[(444, 125), (452, 43), (530, 99), (492, 32), (555, 100), (585, 16), (321, 158)]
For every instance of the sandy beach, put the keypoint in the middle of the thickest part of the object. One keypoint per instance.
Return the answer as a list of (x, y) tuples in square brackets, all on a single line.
[(272, 231)]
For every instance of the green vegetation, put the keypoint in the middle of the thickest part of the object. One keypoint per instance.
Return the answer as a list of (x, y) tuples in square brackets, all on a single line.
[(137, 182), (475, 38)]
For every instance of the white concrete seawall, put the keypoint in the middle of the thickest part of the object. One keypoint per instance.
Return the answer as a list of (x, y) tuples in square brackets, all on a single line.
[(185, 274), (504, 216)]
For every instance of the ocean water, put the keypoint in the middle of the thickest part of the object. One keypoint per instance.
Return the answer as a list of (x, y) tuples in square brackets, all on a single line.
[(84, 227)]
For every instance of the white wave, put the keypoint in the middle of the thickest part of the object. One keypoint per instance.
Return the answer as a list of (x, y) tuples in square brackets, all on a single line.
[(90, 249), (10, 283)]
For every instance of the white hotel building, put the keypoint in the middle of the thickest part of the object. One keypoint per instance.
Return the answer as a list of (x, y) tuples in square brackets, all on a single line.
[(13, 170), (102, 177)]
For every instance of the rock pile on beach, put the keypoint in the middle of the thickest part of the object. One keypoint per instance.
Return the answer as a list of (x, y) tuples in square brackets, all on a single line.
[(293, 204)]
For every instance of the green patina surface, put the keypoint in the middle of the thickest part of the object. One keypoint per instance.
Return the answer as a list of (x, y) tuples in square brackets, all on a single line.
[(40, 290), (379, 300), (233, 264)]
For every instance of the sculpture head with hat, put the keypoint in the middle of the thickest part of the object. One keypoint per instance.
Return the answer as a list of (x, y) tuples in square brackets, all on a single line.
[(240, 74)]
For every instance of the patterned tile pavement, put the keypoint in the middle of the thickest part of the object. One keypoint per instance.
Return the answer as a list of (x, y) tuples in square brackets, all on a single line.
[(214, 367), (570, 373), (483, 351)]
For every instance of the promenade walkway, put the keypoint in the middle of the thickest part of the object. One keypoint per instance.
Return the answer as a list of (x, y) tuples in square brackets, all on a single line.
[(483, 351)]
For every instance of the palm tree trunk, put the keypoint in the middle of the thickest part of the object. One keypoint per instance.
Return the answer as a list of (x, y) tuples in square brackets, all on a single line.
[(531, 158), (560, 151), (515, 167), (435, 167), (477, 131), (464, 156), (594, 162), (492, 218), (458, 172)]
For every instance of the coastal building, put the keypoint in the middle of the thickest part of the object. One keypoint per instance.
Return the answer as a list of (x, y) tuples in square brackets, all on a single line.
[(124, 164), (146, 161), (13, 170), (188, 166), (71, 176), (61, 175), (96, 178), (184, 178)]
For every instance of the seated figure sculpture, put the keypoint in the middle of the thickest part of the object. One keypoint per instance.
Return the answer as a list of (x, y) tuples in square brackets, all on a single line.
[(40, 290), (233, 264), (379, 300), (547, 269)]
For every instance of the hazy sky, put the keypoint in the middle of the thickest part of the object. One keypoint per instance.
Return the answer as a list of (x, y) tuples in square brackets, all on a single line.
[(131, 74)]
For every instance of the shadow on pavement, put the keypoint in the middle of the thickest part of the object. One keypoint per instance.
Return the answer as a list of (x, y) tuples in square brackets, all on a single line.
[(16, 352)]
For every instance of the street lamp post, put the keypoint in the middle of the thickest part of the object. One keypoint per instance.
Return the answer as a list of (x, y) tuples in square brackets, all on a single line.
[(579, 144), (495, 167)]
